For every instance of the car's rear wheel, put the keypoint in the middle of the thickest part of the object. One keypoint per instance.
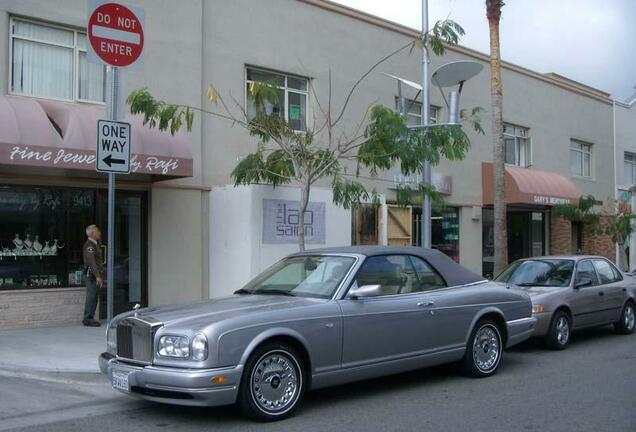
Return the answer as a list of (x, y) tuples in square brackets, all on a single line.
[(559, 332), (273, 383), (484, 349), (627, 322)]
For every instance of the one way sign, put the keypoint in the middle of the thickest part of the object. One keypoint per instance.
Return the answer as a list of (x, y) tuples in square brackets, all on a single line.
[(113, 147)]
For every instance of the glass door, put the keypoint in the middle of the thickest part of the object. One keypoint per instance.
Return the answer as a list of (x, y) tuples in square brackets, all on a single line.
[(130, 249)]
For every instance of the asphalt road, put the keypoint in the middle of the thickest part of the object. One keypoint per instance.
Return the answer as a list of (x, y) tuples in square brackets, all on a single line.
[(589, 387)]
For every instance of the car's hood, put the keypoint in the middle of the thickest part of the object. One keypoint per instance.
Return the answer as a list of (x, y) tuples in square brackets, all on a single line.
[(209, 311), (534, 291)]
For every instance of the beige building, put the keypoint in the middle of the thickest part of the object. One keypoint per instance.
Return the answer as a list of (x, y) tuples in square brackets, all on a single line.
[(185, 233)]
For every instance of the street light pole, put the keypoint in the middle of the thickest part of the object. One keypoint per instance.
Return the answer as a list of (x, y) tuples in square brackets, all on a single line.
[(426, 166)]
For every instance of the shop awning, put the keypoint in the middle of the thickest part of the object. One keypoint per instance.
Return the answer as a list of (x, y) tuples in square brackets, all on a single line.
[(52, 134), (530, 186)]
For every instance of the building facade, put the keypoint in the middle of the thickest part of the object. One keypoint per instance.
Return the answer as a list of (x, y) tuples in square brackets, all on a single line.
[(186, 233), (625, 138)]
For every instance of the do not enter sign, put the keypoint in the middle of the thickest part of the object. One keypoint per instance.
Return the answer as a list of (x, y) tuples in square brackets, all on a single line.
[(116, 34)]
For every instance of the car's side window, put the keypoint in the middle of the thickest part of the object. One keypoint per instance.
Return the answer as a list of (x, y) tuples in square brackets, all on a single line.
[(585, 271), (617, 274), (394, 274), (427, 278), (605, 271)]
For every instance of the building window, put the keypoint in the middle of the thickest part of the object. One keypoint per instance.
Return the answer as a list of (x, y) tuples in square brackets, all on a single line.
[(364, 221), (580, 158), (444, 230), (413, 111), (293, 93), (518, 145), (42, 236), (629, 169), (51, 61)]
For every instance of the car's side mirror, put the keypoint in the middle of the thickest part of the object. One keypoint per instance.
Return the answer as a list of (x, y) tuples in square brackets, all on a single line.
[(364, 291), (584, 282)]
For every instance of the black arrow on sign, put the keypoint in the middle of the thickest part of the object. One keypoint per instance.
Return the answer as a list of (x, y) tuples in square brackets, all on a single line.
[(110, 160)]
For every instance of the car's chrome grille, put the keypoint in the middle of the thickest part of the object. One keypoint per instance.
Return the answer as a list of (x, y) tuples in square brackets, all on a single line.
[(135, 338)]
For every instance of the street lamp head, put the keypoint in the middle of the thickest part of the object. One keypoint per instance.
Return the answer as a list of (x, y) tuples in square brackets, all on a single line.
[(411, 84), (456, 73)]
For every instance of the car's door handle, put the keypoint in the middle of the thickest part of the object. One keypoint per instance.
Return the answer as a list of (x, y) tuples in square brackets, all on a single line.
[(601, 293), (425, 303)]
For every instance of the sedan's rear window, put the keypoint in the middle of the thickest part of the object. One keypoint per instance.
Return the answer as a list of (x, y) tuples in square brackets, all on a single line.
[(538, 272)]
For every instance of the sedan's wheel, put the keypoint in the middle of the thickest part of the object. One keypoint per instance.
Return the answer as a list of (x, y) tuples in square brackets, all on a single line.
[(558, 336), (273, 383), (627, 322), (484, 350)]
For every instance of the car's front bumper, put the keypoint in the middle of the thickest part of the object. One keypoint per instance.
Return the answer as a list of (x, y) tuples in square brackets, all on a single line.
[(176, 386), (543, 323), (520, 330)]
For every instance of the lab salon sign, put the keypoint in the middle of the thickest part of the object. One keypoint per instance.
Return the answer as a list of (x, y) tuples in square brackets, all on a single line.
[(281, 219), (115, 33)]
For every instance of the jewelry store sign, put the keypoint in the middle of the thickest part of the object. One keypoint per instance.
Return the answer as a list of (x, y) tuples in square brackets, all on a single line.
[(281, 220), (68, 158)]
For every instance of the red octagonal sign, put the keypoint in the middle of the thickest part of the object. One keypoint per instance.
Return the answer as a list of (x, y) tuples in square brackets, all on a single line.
[(116, 34)]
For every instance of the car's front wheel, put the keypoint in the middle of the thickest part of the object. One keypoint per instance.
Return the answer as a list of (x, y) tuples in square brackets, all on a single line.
[(273, 383), (484, 349), (627, 322), (558, 337)]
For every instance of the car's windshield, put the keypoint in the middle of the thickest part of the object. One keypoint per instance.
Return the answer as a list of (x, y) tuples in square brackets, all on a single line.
[(538, 272), (304, 276)]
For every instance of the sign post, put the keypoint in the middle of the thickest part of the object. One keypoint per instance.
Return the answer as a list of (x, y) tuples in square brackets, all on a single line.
[(116, 37)]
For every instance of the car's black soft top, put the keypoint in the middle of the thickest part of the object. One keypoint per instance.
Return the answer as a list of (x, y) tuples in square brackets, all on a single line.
[(453, 273)]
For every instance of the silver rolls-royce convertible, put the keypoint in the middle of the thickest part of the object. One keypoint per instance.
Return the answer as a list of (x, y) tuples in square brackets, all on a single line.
[(316, 319)]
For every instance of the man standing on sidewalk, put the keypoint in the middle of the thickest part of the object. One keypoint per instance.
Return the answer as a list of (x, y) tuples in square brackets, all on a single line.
[(94, 271)]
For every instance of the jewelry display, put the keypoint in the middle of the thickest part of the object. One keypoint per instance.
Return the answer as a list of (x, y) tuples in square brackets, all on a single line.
[(28, 247), (37, 246)]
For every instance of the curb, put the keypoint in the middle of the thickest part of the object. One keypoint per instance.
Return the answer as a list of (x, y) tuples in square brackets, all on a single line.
[(53, 375)]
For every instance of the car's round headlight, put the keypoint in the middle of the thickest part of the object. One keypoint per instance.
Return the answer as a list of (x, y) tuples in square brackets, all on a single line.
[(199, 347), (174, 346)]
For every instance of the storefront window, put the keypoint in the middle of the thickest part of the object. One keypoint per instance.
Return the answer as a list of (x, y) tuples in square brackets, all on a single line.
[(526, 236), (444, 230), (41, 236)]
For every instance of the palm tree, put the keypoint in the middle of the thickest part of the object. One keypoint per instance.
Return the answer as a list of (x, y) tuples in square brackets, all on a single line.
[(493, 13)]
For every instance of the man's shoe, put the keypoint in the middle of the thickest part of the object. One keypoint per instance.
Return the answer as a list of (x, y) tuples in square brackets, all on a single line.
[(91, 323)]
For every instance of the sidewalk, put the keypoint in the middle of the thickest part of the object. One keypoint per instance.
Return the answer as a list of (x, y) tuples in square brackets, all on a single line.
[(63, 354)]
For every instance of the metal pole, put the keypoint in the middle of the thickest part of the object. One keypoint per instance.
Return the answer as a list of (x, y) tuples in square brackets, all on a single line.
[(112, 114), (426, 166)]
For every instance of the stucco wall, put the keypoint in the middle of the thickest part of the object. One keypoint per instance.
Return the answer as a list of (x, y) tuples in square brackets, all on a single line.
[(237, 250), (625, 121), (175, 247)]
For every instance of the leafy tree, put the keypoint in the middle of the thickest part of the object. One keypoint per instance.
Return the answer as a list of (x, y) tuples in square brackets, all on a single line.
[(330, 147), (493, 13), (610, 221)]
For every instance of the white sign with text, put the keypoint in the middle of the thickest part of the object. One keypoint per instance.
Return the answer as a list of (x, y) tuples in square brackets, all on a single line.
[(113, 147)]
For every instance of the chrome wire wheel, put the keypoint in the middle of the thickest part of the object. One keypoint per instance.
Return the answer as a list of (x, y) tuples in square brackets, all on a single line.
[(276, 382), (487, 348), (628, 317), (562, 330)]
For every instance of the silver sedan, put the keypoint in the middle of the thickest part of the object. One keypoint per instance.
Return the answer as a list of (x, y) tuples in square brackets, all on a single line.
[(313, 320), (574, 292)]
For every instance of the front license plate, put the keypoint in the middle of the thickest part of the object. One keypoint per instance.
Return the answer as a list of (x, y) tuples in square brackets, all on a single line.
[(120, 380)]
